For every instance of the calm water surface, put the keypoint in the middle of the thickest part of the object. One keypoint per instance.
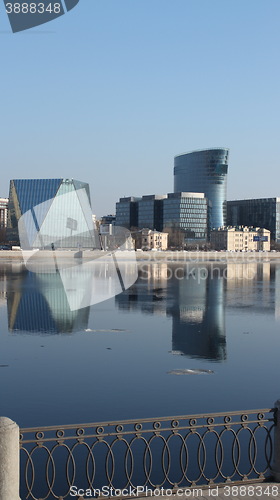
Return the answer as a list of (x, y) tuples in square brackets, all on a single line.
[(113, 360)]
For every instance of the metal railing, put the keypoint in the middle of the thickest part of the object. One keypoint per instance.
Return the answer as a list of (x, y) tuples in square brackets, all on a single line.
[(166, 452)]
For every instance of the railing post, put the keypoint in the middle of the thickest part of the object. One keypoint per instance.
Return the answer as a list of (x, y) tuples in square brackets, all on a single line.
[(275, 471), (9, 459)]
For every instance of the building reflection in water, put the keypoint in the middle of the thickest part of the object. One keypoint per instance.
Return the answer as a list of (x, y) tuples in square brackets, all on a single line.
[(277, 293), (149, 293), (59, 302), (258, 287), (194, 299), (38, 303), (198, 314), (196, 296), (3, 285)]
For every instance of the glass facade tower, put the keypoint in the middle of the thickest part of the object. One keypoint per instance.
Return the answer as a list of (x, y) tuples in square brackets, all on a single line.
[(205, 171)]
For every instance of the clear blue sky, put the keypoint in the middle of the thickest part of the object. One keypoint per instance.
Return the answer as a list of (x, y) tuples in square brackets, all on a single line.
[(113, 90)]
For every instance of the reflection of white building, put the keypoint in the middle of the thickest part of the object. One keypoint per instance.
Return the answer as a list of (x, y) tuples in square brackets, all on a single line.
[(156, 273), (237, 271), (277, 293), (254, 282)]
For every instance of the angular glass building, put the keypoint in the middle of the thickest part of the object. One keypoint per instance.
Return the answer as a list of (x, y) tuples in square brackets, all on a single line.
[(205, 171), (50, 213)]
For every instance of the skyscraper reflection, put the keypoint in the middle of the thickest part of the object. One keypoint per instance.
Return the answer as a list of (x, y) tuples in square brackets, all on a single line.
[(192, 296), (198, 314)]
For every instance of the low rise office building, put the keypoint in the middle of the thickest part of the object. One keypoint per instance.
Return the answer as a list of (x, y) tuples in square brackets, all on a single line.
[(189, 213), (257, 212), (183, 213), (240, 239), (150, 211), (127, 212)]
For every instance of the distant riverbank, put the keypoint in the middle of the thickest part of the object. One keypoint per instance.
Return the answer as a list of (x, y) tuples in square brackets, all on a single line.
[(151, 256), (209, 256)]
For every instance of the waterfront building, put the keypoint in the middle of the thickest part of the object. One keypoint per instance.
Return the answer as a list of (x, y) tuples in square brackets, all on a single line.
[(205, 171), (150, 211), (153, 240), (3, 212), (188, 213), (240, 239), (51, 213), (260, 212), (3, 218), (127, 212)]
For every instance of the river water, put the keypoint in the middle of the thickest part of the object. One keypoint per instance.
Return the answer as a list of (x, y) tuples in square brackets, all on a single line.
[(186, 338)]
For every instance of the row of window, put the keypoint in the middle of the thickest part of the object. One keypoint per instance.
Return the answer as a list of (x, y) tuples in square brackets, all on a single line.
[(185, 201), (194, 226), (184, 211)]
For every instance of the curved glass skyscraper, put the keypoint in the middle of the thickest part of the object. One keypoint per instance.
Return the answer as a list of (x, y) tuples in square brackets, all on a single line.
[(205, 171)]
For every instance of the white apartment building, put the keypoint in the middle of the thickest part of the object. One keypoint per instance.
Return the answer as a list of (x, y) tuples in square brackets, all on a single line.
[(153, 240), (240, 238)]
